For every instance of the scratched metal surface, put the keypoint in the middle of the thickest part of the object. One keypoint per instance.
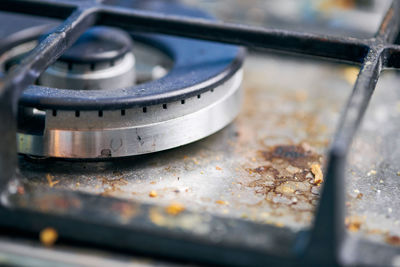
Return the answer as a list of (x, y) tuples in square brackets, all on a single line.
[(373, 174), (258, 168)]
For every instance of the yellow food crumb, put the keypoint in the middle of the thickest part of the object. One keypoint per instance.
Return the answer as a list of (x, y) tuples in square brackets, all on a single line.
[(218, 168), (174, 208), (153, 182), (221, 202), (48, 236), (371, 172), (353, 223), (350, 74), (153, 193), (318, 175), (49, 178)]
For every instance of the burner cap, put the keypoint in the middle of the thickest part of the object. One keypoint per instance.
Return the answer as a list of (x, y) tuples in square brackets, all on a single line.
[(101, 59), (97, 45)]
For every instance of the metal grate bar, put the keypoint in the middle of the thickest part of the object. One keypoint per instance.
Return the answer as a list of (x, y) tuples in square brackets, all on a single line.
[(343, 48), (390, 25), (25, 74), (328, 232), (374, 53)]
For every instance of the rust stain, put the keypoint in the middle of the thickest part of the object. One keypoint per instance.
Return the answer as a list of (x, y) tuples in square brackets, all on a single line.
[(20, 190), (393, 240), (296, 155), (386, 21), (112, 186), (286, 178), (55, 202), (126, 211)]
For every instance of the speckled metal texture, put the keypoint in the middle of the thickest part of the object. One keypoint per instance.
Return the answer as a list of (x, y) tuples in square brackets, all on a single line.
[(254, 169), (171, 231)]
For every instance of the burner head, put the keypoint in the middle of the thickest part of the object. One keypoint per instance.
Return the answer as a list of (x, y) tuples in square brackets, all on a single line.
[(197, 93), (101, 58)]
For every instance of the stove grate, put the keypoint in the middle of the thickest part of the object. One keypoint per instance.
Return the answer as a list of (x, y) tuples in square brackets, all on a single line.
[(324, 243)]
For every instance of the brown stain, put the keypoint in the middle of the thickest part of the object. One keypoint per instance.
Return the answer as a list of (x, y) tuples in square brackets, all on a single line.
[(126, 211), (393, 240), (295, 155), (112, 186), (53, 202), (286, 174)]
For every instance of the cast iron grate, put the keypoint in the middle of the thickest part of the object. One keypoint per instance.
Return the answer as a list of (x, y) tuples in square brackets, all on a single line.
[(326, 243)]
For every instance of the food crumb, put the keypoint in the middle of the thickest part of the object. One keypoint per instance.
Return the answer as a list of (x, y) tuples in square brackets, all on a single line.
[(48, 236), (371, 172), (50, 181), (153, 182), (350, 74), (353, 224), (174, 208), (218, 168), (153, 193), (359, 196), (221, 202), (318, 176)]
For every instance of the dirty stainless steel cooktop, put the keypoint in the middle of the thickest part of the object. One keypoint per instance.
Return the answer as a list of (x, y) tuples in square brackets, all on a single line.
[(263, 168)]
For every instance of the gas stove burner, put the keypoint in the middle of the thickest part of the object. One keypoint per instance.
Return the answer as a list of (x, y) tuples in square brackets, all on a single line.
[(86, 105), (102, 58)]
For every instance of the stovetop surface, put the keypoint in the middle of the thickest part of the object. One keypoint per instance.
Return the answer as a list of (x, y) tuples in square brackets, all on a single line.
[(257, 169)]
